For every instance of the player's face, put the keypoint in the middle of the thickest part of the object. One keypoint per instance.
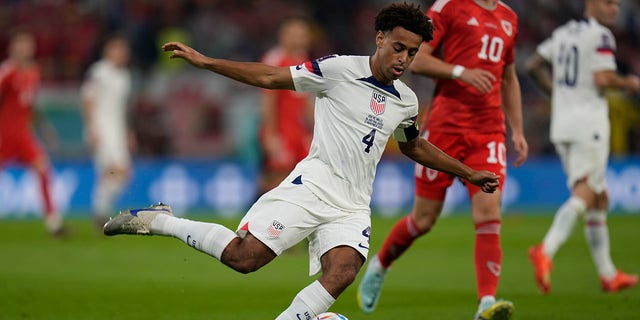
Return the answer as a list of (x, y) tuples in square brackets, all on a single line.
[(296, 37), (605, 11), (396, 50), (117, 51), (23, 48)]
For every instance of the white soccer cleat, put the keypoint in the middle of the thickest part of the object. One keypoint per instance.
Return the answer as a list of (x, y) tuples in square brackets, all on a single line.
[(135, 221), (495, 310), (370, 286)]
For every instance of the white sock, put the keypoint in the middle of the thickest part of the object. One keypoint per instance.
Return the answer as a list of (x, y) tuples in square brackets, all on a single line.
[(486, 302), (106, 191), (562, 225), (597, 234), (209, 238), (308, 303)]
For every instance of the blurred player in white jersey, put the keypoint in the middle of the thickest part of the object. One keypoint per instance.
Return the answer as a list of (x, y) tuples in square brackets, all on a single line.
[(105, 100), (581, 54), (360, 104)]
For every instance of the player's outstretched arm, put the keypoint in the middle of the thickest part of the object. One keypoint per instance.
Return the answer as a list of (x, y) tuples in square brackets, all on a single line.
[(428, 155), (252, 73)]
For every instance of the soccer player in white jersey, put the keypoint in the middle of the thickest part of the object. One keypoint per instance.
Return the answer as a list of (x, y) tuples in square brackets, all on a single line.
[(105, 95), (581, 54), (359, 104)]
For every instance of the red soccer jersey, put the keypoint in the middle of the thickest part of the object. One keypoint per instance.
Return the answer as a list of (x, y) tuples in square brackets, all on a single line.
[(17, 95), (468, 35), (291, 117)]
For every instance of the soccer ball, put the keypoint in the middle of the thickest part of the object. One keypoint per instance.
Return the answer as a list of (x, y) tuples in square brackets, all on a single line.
[(330, 316)]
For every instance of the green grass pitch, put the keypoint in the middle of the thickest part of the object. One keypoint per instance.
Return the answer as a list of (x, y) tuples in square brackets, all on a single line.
[(89, 276)]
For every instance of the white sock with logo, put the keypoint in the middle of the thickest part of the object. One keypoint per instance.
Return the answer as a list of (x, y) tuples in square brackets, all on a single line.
[(562, 225), (308, 303), (597, 234), (210, 238)]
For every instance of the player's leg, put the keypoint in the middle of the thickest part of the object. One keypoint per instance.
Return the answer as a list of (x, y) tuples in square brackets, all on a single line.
[(39, 162), (488, 152), (430, 191), (339, 269), (485, 213), (110, 182), (338, 248), (270, 227), (597, 235), (421, 219)]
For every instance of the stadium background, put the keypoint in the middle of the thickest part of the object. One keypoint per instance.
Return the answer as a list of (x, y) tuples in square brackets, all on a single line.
[(195, 132)]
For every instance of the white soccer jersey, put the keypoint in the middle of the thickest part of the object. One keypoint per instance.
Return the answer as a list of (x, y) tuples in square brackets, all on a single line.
[(109, 88), (576, 50), (354, 117)]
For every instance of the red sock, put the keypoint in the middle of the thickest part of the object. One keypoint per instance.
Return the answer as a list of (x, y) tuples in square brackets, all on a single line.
[(488, 257), (398, 241), (46, 195)]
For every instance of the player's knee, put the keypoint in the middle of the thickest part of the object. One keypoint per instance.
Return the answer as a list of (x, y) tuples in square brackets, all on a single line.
[(341, 277), (241, 262), (423, 221), (243, 258)]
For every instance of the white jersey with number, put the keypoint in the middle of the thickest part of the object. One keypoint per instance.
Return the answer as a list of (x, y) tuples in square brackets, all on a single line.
[(109, 88), (576, 50), (354, 117)]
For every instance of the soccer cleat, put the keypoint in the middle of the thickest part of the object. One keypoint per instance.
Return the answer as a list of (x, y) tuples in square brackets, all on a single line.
[(620, 281), (370, 286), (496, 310), (135, 221), (542, 266)]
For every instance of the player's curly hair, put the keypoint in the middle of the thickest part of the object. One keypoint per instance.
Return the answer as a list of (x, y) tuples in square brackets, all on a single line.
[(408, 16)]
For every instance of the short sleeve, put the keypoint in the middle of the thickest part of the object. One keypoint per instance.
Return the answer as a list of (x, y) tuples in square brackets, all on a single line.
[(316, 75), (407, 130), (604, 47), (545, 49)]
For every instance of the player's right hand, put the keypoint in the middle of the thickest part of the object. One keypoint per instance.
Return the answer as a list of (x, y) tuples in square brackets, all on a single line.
[(183, 51), (480, 79), (486, 180)]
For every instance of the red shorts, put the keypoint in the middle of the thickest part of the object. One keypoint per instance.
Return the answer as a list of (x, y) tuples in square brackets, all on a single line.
[(21, 147), (480, 151)]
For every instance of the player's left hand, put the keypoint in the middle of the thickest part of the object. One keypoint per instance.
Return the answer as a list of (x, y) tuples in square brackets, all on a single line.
[(522, 148), (486, 180)]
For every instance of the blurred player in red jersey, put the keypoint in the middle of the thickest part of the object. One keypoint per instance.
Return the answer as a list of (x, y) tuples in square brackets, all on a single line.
[(19, 81), (285, 133), (472, 56)]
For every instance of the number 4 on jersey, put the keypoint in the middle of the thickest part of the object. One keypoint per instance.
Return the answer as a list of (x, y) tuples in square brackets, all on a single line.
[(368, 140)]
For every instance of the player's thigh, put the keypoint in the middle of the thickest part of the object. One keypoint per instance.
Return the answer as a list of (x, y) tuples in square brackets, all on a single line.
[(433, 184), (342, 229), (276, 221), (585, 160), (487, 151)]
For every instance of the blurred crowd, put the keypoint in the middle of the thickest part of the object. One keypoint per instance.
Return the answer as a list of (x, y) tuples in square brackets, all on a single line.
[(179, 111)]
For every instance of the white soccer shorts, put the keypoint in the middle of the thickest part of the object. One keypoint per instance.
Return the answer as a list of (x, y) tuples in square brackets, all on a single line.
[(286, 215), (585, 159)]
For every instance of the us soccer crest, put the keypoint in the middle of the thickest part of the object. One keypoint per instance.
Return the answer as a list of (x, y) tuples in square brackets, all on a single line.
[(378, 102), (506, 26)]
